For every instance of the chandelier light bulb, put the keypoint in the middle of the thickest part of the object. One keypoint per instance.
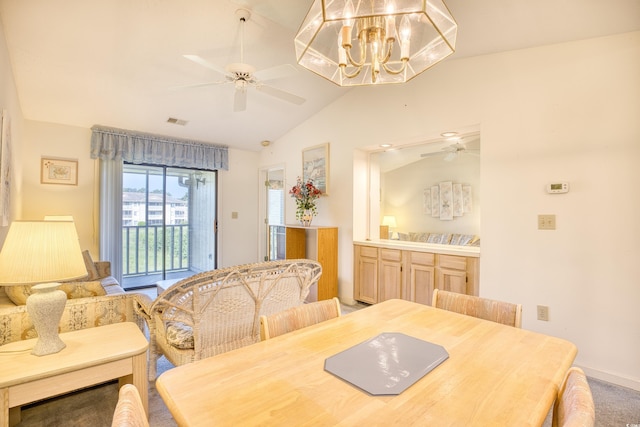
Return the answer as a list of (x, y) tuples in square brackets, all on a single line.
[(342, 54), (348, 14), (405, 37), (390, 7)]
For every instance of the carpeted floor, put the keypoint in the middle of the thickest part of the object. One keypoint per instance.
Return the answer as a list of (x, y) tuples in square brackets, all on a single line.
[(615, 406)]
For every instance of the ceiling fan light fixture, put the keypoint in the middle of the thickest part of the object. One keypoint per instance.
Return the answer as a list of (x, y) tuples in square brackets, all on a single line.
[(375, 41), (244, 76)]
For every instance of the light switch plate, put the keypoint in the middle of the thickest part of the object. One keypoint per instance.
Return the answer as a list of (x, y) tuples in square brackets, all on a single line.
[(543, 313), (546, 222)]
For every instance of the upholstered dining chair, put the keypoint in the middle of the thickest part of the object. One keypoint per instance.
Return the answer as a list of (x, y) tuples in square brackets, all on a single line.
[(298, 317), (129, 410), (574, 406), (483, 308)]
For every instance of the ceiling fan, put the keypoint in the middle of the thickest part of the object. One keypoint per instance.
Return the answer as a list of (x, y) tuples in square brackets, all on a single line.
[(243, 75), (451, 152)]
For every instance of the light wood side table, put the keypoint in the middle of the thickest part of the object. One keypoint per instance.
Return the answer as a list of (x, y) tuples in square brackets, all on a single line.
[(92, 356)]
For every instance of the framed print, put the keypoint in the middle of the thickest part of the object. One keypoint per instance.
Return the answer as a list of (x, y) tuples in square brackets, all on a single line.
[(435, 201), (458, 209), (58, 171), (426, 202), (446, 201), (315, 166), (5, 169), (466, 199)]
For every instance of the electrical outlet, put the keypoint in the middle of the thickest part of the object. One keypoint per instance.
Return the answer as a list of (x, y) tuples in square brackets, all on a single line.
[(546, 222), (543, 313)]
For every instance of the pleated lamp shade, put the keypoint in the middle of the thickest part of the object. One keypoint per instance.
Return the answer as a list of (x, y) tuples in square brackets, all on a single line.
[(41, 251)]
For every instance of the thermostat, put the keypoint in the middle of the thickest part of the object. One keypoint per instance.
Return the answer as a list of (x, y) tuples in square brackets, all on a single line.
[(558, 187)]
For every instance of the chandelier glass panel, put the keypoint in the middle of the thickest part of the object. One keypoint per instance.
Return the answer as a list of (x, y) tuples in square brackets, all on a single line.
[(363, 42)]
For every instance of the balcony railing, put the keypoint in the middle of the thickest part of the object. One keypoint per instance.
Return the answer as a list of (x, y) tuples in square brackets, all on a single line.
[(143, 248)]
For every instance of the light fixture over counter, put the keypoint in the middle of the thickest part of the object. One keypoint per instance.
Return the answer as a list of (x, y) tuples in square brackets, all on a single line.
[(364, 42)]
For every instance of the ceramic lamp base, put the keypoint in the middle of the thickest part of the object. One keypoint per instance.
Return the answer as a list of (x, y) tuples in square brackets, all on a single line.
[(45, 307)]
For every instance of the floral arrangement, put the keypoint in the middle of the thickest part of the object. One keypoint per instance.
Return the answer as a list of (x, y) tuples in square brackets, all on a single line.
[(305, 195)]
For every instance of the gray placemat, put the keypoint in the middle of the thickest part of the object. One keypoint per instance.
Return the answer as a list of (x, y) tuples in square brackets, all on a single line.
[(386, 364)]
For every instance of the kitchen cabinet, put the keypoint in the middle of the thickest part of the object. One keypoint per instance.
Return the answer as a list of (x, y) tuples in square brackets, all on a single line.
[(366, 274), (384, 271), (390, 274), (420, 278)]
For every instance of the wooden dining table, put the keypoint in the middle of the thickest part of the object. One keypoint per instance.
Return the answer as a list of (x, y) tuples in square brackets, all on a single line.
[(495, 375)]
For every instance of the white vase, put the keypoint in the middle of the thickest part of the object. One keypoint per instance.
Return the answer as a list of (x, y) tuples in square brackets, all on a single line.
[(45, 307), (306, 218)]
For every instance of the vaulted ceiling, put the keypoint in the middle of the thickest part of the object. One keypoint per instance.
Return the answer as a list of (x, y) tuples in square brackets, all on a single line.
[(120, 63)]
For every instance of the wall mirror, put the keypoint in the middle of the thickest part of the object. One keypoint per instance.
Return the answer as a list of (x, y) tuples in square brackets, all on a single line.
[(429, 188)]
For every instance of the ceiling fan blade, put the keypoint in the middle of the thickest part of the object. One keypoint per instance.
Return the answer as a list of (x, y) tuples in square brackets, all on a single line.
[(451, 156), (435, 153), (277, 72), (200, 85), (281, 94), (240, 100), (200, 61)]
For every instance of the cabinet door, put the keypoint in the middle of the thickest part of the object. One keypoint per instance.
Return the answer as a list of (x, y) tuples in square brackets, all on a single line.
[(366, 274), (421, 283), (390, 285), (420, 278), (452, 280)]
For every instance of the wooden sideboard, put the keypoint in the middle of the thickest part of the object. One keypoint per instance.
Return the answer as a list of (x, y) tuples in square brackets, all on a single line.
[(389, 269), (319, 244)]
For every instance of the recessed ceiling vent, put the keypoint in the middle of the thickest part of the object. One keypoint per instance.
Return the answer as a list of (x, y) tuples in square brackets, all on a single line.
[(175, 121)]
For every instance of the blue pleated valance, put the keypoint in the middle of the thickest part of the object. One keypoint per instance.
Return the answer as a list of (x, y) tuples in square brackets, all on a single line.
[(136, 147)]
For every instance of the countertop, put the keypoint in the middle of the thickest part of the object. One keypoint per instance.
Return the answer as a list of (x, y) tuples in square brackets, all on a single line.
[(468, 251)]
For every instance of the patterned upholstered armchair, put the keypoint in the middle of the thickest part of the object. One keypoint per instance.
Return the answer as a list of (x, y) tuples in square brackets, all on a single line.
[(219, 310)]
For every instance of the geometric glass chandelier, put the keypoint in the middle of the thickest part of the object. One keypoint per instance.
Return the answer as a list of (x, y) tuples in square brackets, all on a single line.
[(365, 42)]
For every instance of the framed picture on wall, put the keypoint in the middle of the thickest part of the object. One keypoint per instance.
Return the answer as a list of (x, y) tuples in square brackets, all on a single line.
[(446, 201), (315, 166), (58, 171), (5, 169)]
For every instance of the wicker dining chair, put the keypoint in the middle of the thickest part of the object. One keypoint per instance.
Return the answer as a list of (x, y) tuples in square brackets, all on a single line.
[(483, 308), (298, 317), (129, 410), (574, 406)]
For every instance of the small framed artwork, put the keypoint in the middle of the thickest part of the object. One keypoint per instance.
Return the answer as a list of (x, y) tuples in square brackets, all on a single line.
[(58, 171), (315, 166)]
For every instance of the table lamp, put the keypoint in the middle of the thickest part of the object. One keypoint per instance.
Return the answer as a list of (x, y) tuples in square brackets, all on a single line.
[(42, 253), (389, 221)]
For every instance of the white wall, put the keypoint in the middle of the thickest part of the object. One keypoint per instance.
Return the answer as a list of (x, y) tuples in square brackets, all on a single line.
[(55, 140), (560, 112), (237, 191), (11, 104)]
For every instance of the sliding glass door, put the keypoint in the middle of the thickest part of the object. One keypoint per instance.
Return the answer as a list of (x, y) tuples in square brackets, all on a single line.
[(168, 223)]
